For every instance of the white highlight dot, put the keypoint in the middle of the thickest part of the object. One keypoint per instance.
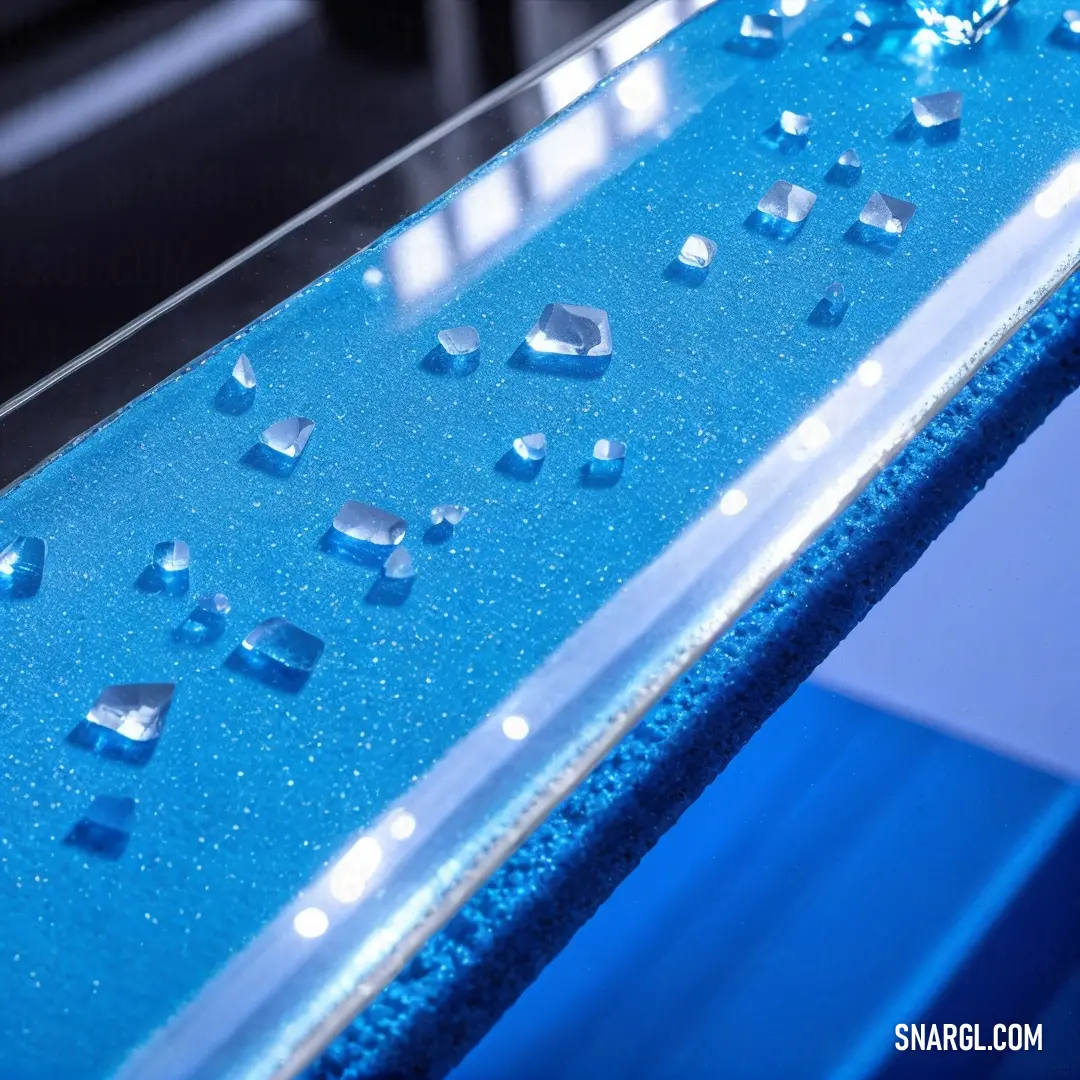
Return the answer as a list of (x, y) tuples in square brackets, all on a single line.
[(814, 433), (733, 502), (311, 922), (870, 372), (403, 825), (515, 727)]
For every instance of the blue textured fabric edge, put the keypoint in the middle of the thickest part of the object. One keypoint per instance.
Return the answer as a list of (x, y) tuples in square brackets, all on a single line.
[(469, 973)]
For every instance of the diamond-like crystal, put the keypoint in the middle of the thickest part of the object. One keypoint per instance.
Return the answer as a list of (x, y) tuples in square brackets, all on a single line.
[(847, 169), (288, 437), (244, 373), (172, 556), (961, 22), (399, 565), (787, 202), (367, 523), (125, 722), (887, 214), (106, 827), (831, 307), (793, 123), (609, 450), (279, 654), (206, 623), (571, 330), (449, 513), (459, 340), (934, 110), (531, 447), (22, 564), (697, 251)]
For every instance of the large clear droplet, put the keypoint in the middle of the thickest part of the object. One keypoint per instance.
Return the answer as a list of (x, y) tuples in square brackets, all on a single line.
[(279, 654), (22, 564), (126, 721)]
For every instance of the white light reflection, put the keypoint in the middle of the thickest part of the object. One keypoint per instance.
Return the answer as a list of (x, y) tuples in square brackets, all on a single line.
[(312, 922), (421, 258), (372, 277), (515, 727), (569, 81), (791, 8), (733, 502), (638, 33), (813, 433), (565, 153), (402, 825), (641, 92), (354, 869), (869, 373), (486, 211), (1059, 192)]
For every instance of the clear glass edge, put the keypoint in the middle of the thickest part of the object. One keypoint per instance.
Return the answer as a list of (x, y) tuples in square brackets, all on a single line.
[(575, 710), (392, 887)]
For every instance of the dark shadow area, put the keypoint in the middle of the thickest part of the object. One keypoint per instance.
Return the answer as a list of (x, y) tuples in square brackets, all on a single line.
[(513, 465), (570, 366), (262, 458), (436, 535), (201, 627), (267, 670), (691, 276), (601, 474), (773, 227), (440, 362), (361, 552), (827, 314), (870, 237), (843, 175), (389, 592), (910, 131), (233, 398), (783, 142), (155, 580), (109, 744)]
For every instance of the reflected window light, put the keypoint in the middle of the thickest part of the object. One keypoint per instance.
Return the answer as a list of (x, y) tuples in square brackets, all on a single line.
[(486, 211), (565, 153), (638, 33), (1059, 192), (791, 8), (925, 42), (354, 869), (733, 502), (312, 922), (515, 727), (700, 5), (813, 433), (643, 96), (569, 81), (402, 825), (870, 372), (421, 258)]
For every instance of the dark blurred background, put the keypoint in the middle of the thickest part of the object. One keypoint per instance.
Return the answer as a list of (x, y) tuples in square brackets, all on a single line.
[(143, 143)]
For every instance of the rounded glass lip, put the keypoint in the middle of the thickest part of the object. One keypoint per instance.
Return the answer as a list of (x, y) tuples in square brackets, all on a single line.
[(329, 953)]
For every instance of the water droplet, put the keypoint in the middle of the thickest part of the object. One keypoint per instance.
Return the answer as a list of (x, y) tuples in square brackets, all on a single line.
[(125, 722), (172, 556), (22, 564), (531, 447), (831, 307), (288, 437), (782, 211), (399, 565), (933, 110), (448, 513), (855, 34), (759, 35), (206, 623), (459, 340), (279, 654), (609, 450), (887, 214), (243, 373), (237, 393), (959, 22), (697, 252), (846, 171), (106, 827)]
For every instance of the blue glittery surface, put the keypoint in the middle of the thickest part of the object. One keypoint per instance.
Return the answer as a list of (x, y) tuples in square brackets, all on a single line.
[(252, 788)]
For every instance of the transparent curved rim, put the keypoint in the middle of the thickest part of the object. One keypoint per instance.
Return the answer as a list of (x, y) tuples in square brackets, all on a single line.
[(330, 952)]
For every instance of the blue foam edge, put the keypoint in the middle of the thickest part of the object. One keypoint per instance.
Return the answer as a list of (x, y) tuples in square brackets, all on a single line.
[(470, 972)]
